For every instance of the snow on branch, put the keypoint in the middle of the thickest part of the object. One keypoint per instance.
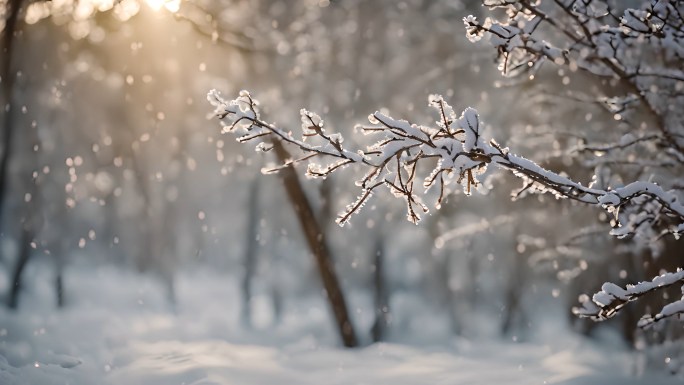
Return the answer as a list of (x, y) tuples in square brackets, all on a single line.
[(607, 303), (454, 150), (641, 49)]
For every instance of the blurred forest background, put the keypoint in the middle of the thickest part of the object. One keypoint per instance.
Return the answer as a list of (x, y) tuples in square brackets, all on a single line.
[(109, 159)]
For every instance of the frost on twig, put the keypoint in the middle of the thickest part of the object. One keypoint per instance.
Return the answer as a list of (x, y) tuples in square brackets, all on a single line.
[(638, 49), (455, 151), (607, 303)]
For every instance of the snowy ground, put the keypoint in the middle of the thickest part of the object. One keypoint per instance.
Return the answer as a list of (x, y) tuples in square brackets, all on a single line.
[(118, 330)]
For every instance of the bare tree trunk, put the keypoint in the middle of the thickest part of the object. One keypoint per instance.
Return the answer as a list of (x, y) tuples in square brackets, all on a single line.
[(157, 221), (319, 247), (277, 301), (19, 266), (30, 221), (514, 312), (164, 249), (252, 246), (7, 78), (382, 313), (59, 288), (449, 299)]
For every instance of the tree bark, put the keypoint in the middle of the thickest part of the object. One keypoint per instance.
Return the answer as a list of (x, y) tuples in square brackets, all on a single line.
[(514, 310), (59, 288), (382, 312), (7, 79), (315, 238), (252, 246), (19, 266)]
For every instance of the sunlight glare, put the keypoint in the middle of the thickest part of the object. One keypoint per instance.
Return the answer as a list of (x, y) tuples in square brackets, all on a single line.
[(170, 5)]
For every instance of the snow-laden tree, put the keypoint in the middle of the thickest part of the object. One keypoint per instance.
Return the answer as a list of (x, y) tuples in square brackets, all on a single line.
[(635, 58), (636, 53)]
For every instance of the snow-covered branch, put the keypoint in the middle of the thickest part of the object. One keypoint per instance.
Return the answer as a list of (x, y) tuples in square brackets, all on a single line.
[(456, 151), (607, 303), (636, 51), (639, 49)]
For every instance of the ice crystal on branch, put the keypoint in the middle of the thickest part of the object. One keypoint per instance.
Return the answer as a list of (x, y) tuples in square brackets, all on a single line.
[(457, 152)]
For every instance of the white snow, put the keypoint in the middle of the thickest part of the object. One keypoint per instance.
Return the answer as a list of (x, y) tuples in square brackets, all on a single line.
[(118, 330)]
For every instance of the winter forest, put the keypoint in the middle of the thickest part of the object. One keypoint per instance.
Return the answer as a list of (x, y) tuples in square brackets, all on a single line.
[(341, 192)]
